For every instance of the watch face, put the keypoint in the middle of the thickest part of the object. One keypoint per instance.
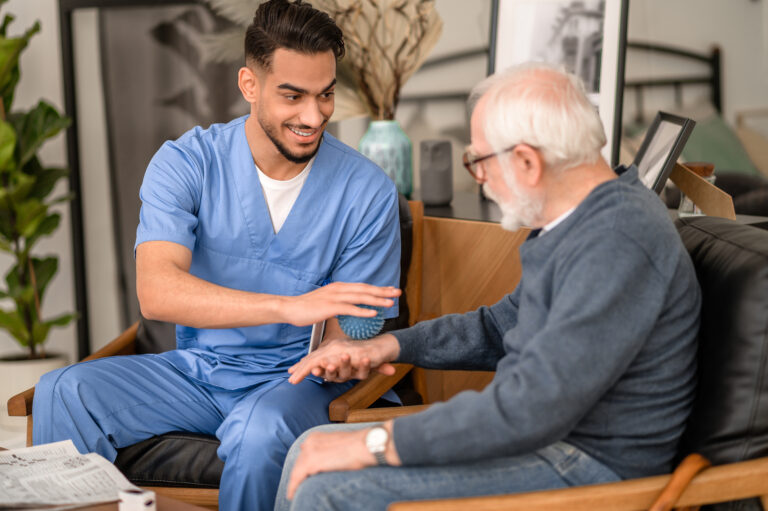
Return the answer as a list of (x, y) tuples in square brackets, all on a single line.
[(377, 438)]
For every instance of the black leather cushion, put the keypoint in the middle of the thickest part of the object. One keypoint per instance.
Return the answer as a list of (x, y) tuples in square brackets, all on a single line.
[(190, 460), (173, 459), (754, 202), (729, 421)]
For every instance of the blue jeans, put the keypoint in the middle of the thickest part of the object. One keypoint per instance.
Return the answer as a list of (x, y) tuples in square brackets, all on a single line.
[(556, 466)]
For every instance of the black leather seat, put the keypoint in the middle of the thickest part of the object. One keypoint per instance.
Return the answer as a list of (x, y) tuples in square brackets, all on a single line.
[(189, 460), (729, 421)]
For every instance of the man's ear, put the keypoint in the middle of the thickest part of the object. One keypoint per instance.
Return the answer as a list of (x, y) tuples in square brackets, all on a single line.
[(530, 163), (249, 84)]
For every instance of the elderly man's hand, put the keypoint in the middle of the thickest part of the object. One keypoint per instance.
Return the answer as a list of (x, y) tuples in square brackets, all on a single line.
[(340, 360), (337, 451)]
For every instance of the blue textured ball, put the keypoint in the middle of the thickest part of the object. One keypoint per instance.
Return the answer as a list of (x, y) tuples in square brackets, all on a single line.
[(362, 328)]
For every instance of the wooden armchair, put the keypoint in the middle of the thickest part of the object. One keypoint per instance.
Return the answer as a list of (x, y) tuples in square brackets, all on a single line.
[(729, 422), (185, 466)]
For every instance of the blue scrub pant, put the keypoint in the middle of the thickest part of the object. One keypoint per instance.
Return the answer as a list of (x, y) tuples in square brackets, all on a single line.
[(106, 404)]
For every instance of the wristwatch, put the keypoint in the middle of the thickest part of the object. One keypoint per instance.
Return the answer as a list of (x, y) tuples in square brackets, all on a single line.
[(376, 442)]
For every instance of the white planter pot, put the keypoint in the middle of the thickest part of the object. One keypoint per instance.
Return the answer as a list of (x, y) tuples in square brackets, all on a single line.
[(19, 375)]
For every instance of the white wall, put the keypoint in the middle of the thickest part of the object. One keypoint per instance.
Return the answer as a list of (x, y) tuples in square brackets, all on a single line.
[(738, 26)]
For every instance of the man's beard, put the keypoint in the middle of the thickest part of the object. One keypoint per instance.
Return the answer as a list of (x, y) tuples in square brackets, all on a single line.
[(288, 155), (521, 211)]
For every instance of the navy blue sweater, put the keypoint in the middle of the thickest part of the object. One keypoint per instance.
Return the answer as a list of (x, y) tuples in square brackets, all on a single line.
[(596, 346)]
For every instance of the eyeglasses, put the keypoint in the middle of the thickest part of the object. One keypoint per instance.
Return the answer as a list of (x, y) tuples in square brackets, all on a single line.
[(470, 161)]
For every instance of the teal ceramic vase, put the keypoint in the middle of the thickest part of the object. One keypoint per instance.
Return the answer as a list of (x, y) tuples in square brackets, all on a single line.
[(386, 144)]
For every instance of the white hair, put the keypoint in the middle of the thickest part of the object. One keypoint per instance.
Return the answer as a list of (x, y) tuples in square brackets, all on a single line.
[(544, 107)]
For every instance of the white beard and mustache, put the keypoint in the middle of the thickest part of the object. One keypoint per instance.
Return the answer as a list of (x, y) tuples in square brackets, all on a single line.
[(522, 211)]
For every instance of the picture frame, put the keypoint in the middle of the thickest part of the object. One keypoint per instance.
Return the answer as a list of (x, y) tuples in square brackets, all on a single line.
[(587, 37), (662, 145)]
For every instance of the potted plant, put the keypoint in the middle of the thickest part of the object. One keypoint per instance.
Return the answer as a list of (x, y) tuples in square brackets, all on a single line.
[(26, 216)]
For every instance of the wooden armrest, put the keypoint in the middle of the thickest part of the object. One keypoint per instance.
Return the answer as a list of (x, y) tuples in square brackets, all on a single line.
[(124, 344), (383, 414), (20, 405), (365, 393), (681, 478), (723, 483)]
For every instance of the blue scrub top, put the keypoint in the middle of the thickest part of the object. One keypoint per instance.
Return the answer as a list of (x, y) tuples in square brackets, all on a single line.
[(202, 191)]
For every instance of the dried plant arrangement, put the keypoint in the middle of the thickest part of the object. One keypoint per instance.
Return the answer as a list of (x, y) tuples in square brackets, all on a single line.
[(386, 43)]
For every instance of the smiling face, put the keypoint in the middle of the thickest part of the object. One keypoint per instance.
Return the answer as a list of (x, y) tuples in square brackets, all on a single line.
[(291, 101)]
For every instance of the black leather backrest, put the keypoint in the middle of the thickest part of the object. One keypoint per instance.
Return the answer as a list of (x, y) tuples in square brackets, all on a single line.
[(158, 336), (729, 421)]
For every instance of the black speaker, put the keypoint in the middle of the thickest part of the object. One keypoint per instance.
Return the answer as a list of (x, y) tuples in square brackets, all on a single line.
[(436, 170)]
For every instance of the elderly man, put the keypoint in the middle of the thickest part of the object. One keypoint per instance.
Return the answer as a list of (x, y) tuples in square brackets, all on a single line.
[(594, 351)]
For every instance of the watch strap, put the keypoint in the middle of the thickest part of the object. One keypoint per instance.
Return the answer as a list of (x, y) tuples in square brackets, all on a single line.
[(381, 459)]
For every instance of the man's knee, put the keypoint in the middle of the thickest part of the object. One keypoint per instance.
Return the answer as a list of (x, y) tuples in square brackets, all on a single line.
[(65, 383), (261, 434)]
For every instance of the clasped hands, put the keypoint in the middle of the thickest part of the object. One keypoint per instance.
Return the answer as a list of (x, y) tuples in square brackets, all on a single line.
[(339, 360)]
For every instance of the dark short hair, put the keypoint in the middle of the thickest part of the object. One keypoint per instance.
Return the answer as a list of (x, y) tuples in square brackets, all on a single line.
[(291, 25)]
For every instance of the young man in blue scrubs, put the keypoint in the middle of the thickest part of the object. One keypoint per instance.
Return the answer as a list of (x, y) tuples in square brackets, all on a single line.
[(242, 225)]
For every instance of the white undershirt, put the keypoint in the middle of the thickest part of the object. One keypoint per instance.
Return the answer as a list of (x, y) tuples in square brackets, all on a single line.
[(281, 195), (554, 223)]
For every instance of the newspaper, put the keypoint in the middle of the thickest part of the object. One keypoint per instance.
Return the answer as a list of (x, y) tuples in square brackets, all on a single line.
[(57, 474)]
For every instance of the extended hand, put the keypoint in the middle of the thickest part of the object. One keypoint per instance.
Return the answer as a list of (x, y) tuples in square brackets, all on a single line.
[(340, 360), (337, 451), (334, 299)]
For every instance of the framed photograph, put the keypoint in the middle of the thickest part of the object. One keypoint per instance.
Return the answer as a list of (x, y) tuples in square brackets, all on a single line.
[(661, 147), (587, 37)]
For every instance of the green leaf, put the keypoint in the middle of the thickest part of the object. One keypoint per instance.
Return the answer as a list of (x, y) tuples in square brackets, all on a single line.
[(6, 225), (10, 50), (40, 332), (5, 245), (29, 215), (20, 184), (7, 146), (6, 21), (45, 181), (7, 91), (62, 198), (45, 269), (12, 279), (22, 292), (35, 127), (62, 320), (46, 227), (11, 321)]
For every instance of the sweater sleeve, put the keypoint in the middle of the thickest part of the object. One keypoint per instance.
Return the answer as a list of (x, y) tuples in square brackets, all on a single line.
[(605, 303), (471, 341)]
